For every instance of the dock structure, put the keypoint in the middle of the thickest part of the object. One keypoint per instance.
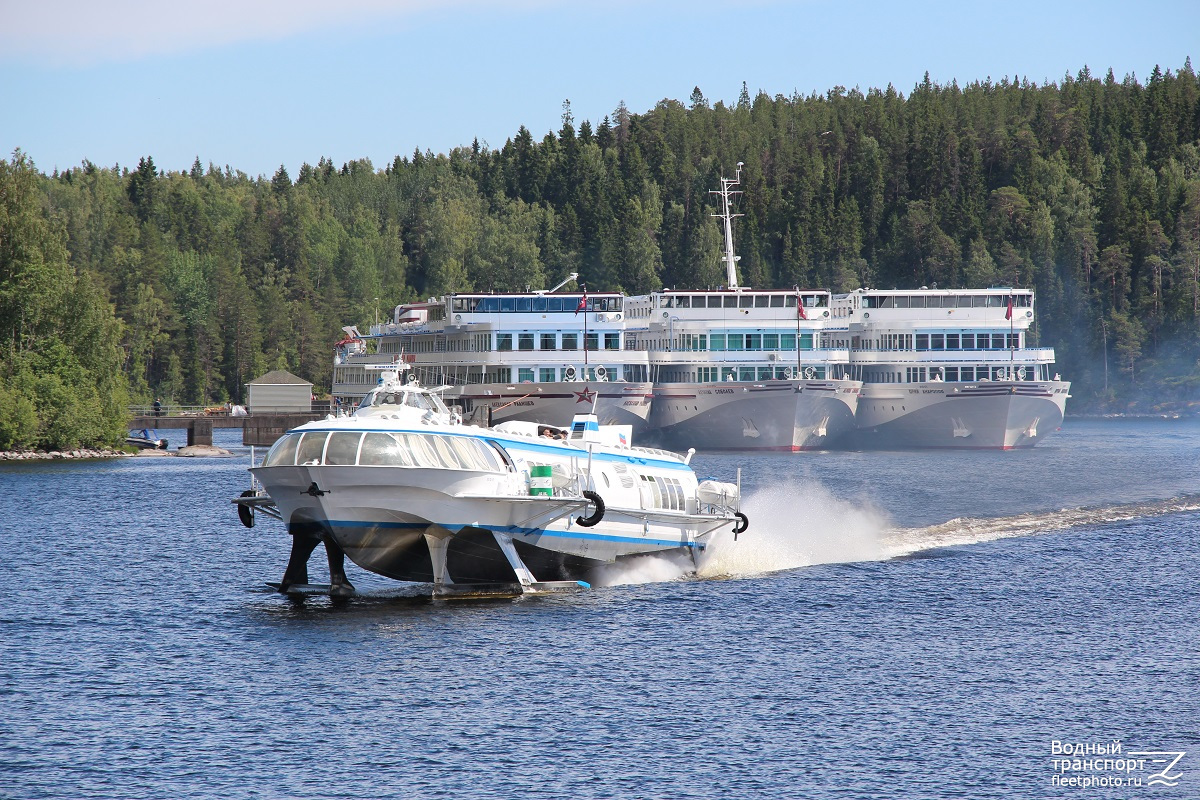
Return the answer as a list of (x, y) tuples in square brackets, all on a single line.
[(260, 430)]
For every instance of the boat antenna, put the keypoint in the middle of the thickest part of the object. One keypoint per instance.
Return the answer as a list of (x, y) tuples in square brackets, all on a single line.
[(727, 192)]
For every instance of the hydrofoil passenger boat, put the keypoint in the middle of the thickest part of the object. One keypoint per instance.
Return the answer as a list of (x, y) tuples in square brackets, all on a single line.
[(406, 490)]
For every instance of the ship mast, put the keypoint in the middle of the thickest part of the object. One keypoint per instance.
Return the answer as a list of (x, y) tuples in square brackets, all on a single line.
[(726, 193)]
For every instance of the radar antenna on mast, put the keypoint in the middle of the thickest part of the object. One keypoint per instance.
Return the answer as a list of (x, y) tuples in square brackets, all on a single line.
[(726, 193)]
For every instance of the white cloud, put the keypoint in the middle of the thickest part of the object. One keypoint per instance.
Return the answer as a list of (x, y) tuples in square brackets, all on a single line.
[(82, 32)]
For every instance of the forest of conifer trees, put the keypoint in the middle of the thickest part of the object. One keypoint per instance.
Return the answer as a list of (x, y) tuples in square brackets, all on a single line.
[(119, 284)]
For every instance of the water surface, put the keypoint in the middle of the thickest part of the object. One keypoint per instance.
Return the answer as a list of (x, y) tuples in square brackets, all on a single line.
[(907, 624)]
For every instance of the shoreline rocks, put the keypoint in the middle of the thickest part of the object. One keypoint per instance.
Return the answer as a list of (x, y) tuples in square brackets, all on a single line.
[(79, 454), (90, 454), (203, 451)]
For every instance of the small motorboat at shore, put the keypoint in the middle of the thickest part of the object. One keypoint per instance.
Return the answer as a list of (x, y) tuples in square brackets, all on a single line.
[(145, 439), (406, 490)]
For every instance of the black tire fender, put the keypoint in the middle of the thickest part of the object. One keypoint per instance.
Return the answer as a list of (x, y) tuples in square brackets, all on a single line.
[(246, 513), (597, 515), (742, 524)]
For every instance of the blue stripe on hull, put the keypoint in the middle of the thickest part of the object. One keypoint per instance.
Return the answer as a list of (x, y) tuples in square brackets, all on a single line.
[(595, 537)]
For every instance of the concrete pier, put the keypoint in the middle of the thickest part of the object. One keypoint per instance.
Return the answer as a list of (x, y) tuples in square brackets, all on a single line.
[(260, 430)]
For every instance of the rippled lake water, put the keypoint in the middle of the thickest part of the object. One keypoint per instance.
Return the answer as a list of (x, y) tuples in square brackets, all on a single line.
[(904, 624)]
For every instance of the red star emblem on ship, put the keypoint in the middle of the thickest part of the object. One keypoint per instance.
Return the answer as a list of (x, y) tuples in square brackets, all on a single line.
[(585, 396)]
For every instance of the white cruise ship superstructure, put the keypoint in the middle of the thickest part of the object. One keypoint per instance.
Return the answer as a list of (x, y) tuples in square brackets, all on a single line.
[(524, 356), (743, 369), (948, 368)]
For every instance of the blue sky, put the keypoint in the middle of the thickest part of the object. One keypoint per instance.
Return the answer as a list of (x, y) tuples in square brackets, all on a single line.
[(254, 85)]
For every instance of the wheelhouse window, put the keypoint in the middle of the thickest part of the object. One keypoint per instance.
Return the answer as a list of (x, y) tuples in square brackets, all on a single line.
[(310, 447), (342, 447), (283, 451)]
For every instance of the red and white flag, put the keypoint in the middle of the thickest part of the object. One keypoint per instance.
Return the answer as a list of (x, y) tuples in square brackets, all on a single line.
[(1008, 312), (800, 307), (582, 303)]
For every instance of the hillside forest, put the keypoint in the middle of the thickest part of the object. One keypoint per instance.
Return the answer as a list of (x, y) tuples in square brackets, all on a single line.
[(123, 283)]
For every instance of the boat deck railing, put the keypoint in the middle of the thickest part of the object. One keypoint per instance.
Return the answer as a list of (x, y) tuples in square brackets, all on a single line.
[(1027, 355)]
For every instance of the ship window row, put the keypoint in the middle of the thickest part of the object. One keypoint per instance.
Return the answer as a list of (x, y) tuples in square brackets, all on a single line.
[(946, 301), (680, 374), (553, 374), (721, 342), (379, 449), (467, 376), (958, 374), (554, 341), (937, 341), (505, 305), (355, 375), (742, 300)]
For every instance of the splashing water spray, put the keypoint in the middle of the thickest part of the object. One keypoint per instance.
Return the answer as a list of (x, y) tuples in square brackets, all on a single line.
[(793, 525), (801, 524)]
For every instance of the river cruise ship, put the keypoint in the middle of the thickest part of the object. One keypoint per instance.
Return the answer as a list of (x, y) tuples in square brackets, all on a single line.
[(948, 368), (743, 369), (524, 356), (740, 369)]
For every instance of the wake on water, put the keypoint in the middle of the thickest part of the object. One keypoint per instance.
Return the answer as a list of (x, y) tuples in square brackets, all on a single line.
[(802, 524)]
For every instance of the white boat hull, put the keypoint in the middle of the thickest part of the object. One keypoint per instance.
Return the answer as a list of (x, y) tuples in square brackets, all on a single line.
[(1001, 414), (617, 403), (390, 529), (754, 415)]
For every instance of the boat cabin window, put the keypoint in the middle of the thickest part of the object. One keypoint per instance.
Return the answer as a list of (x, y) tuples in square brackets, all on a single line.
[(283, 451), (660, 492), (428, 450), (342, 448), (310, 448), (418, 400)]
